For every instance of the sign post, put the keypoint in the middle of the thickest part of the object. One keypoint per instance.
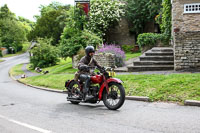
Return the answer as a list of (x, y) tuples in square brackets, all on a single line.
[(84, 4)]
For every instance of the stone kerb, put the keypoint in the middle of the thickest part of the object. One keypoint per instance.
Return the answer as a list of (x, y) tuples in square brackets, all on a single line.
[(106, 60)]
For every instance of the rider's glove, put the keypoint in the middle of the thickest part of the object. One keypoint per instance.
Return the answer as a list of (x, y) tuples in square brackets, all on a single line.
[(84, 68)]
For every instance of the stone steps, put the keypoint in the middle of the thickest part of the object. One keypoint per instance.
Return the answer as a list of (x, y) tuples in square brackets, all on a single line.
[(159, 54), (156, 59), (138, 63), (150, 68), (162, 49)]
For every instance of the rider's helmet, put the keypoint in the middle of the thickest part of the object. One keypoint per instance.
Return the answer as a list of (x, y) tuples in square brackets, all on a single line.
[(89, 49)]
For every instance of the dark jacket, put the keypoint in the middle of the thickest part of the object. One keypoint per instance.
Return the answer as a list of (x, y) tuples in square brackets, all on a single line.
[(87, 61)]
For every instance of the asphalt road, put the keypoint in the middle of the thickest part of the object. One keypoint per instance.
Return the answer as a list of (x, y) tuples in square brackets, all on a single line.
[(28, 110)]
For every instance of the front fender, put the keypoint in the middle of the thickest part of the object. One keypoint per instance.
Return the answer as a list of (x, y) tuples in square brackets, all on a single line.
[(105, 85), (114, 80)]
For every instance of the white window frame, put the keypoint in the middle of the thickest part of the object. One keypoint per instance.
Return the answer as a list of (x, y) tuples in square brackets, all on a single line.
[(192, 8)]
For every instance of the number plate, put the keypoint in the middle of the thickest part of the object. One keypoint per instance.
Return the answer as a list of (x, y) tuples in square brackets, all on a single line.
[(112, 73)]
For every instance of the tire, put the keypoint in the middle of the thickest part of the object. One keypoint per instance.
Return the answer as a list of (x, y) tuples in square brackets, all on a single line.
[(73, 88), (113, 96)]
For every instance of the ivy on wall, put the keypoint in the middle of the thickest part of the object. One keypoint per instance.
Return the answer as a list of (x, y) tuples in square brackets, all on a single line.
[(166, 18)]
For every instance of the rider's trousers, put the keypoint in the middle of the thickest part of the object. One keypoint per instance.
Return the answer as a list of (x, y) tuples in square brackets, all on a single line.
[(85, 78)]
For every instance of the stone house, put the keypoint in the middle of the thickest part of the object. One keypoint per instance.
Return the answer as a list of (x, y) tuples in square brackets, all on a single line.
[(186, 34)]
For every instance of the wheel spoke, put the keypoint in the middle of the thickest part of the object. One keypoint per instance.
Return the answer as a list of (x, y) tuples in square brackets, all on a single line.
[(114, 95)]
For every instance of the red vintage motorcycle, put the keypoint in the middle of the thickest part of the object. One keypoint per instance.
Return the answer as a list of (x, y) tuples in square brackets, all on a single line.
[(102, 87)]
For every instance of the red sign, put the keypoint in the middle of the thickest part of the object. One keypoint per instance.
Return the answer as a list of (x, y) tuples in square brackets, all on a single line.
[(85, 7)]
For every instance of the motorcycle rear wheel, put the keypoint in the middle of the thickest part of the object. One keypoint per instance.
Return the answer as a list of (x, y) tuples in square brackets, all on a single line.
[(116, 96), (74, 88)]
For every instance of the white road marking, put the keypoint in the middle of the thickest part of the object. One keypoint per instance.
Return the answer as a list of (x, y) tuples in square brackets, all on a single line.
[(26, 125)]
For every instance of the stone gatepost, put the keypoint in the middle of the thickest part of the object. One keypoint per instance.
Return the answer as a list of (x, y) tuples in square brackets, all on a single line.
[(186, 34)]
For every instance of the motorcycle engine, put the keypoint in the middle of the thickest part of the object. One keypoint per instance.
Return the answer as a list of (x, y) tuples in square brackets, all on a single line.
[(94, 90)]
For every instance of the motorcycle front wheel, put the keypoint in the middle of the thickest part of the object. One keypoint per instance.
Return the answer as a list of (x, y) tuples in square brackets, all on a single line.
[(116, 96)]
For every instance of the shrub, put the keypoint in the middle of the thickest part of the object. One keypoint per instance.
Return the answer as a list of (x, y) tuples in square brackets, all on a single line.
[(151, 39), (44, 54), (127, 48), (117, 51), (103, 14)]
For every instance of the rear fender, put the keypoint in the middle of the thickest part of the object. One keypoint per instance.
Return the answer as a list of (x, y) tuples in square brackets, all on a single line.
[(105, 85), (67, 83)]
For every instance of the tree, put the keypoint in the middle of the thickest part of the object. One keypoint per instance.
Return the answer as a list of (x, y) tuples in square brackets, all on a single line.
[(12, 34), (5, 13), (50, 23), (73, 38), (139, 12), (12, 31)]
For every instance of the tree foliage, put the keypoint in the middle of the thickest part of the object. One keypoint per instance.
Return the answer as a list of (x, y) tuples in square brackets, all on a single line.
[(51, 22), (12, 32), (5, 13), (139, 12), (73, 37)]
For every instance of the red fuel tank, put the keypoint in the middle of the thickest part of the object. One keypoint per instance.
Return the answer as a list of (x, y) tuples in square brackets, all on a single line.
[(97, 79)]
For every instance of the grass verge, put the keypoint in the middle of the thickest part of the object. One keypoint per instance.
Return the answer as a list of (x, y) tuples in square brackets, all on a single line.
[(16, 70), (64, 66), (54, 81), (173, 87), (1, 60)]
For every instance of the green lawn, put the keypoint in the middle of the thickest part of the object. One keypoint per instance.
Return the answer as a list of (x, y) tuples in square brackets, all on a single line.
[(24, 49), (1, 60), (173, 87), (132, 55)]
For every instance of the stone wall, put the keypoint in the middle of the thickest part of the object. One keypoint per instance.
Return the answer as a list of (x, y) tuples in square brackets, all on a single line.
[(120, 34), (187, 50), (186, 36), (106, 60)]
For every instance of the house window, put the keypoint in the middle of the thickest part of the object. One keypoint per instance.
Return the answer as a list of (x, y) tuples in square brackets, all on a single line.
[(192, 8)]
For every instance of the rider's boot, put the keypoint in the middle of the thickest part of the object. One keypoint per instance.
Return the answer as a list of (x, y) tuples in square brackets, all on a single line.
[(86, 86), (86, 96)]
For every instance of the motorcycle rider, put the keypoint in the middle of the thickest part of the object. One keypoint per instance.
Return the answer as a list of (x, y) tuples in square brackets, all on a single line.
[(84, 72)]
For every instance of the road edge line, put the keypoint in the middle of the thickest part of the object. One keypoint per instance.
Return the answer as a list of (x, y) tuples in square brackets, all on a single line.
[(26, 125)]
